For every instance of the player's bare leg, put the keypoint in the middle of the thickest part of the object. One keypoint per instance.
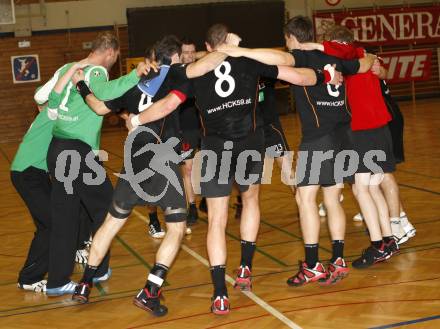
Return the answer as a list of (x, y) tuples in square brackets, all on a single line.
[(249, 225)]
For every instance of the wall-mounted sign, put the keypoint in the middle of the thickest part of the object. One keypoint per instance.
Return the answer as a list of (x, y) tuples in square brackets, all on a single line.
[(384, 26), (25, 68), (411, 65)]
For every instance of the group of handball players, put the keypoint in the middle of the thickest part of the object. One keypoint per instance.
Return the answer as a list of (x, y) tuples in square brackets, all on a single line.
[(222, 103)]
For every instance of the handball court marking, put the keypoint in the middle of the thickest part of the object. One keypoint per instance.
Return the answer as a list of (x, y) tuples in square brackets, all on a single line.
[(280, 316)]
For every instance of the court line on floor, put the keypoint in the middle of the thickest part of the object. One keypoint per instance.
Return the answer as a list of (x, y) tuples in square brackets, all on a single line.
[(403, 323), (296, 297), (107, 298), (416, 173), (259, 250), (419, 189), (274, 312), (290, 234), (5, 155), (330, 305)]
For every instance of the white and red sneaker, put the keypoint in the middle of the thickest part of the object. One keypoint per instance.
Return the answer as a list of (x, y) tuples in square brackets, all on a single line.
[(220, 305), (337, 271), (244, 279), (307, 275)]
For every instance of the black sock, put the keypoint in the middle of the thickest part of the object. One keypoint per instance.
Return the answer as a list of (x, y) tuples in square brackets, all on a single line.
[(247, 253), (338, 249), (377, 244), (89, 274), (218, 279), (311, 254), (387, 239), (153, 218), (156, 278)]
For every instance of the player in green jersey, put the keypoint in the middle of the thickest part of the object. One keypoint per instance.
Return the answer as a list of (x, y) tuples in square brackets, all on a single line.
[(30, 178), (77, 173)]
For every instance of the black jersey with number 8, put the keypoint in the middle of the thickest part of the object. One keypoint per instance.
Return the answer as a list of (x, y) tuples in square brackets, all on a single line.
[(227, 96)]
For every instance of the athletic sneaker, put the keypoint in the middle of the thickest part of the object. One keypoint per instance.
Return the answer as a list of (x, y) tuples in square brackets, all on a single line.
[(156, 231), (322, 210), (407, 226), (81, 256), (67, 289), (220, 305), (243, 280), (398, 232), (82, 293), (336, 271), (193, 215), (203, 207), (358, 217), (306, 275), (371, 256), (103, 278), (392, 248), (39, 286), (146, 301)]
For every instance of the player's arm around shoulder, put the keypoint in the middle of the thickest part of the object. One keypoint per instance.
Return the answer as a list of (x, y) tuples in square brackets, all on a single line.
[(211, 60), (103, 89), (264, 55), (94, 103), (309, 77), (156, 111)]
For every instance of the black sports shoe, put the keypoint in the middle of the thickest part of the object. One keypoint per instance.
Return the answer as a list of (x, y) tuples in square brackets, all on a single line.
[(371, 256), (203, 207), (193, 215), (392, 248), (82, 292), (146, 301)]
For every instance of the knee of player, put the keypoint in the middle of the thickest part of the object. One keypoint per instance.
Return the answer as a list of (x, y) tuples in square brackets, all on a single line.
[(187, 168), (120, 209), (177, 229)]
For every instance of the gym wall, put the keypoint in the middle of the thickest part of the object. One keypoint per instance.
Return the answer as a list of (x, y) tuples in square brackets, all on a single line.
[(55, 45)]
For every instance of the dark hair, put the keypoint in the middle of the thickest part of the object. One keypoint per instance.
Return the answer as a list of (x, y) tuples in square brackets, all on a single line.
[(300, 27), (187, 41), (341, 33), (149, 53), (216, 35), (105, 40), (166, 47)]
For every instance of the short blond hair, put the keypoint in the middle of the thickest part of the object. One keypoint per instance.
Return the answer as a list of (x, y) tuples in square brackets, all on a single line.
[(105, 40)]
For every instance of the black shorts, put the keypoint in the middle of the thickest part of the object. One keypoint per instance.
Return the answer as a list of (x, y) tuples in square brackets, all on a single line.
[(311, 170), (396, 129), (157, 190), (190, 143), (375, 150), (244, 169), (275, 140)]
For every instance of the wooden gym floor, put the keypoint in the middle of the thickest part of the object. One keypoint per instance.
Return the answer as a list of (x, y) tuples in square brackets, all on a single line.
[(403, 292)]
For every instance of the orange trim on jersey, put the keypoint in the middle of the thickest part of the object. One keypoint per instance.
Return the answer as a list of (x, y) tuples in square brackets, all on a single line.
[(281, 135), (346, 107), (313, 107), (255, 106), (201, 119)]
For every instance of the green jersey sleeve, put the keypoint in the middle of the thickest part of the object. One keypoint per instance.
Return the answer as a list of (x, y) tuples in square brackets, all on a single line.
[(97, 79)]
